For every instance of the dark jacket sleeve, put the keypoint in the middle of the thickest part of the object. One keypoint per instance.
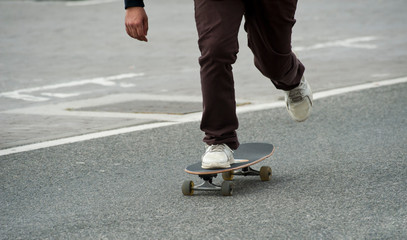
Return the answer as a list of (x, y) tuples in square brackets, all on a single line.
[(133, 3)]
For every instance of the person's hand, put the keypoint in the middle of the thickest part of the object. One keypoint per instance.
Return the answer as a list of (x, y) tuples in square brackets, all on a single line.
[(136, 22)]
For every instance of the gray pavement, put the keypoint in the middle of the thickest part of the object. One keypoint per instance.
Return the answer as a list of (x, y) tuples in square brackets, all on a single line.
[(68, 69), (56, 53), (340, 175)]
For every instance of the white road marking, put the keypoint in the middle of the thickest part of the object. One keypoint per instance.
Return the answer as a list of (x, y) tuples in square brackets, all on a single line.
[(358, 42), (60, 95), (127, 85), (87, 3), (192, 118), (24, 94), (360, 87), (63, 109), (68, 108), (18, 95), (81, 138), (380, 75)]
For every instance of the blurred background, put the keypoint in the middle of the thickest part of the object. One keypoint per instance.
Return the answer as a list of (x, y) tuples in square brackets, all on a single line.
[(61, 52)]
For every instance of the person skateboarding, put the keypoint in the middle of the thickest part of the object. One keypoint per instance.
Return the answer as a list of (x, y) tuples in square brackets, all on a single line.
[(268, 25)]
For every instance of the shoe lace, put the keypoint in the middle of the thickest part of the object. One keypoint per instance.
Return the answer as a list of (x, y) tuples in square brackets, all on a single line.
[(217, 148), (296, 95)]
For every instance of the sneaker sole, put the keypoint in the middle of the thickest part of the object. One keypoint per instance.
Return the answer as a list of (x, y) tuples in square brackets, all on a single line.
[(215, 166), (306, 104)]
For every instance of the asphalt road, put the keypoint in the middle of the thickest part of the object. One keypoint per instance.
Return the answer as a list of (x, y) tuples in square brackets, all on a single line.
[(68, 69), (340, 175)]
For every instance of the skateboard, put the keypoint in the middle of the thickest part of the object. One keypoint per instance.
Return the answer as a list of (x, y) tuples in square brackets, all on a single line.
[(246, 155)]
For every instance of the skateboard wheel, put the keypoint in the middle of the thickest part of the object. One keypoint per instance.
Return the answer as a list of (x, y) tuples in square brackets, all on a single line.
[(227, 188), (227, 176), (265, 173), (187, 188)]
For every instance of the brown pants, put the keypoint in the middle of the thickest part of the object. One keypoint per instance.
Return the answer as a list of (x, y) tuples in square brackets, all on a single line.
[(268, 24)]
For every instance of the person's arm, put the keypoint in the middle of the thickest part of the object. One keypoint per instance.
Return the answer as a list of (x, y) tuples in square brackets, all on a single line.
[(136, 19)]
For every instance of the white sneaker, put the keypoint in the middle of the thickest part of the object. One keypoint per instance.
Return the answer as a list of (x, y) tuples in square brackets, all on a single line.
[(217, 156), (299, 101)]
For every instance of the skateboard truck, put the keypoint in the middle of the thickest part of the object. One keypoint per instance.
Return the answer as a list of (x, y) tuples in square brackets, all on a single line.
[(264, 173), (226, 188), (247, 172), (208, 184)]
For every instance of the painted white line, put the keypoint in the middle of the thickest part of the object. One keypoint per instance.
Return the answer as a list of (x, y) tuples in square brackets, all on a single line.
[(112, 99), (338, 91), (350, 42), (81, 138), (60, 95), (324, 94), (18, 95), (380, 75), (192, 118), (64, 109), (51, 111), (21, 94), (88, 3)]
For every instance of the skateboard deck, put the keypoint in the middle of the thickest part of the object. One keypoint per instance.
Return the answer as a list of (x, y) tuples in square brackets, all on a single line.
[(246, 155)]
